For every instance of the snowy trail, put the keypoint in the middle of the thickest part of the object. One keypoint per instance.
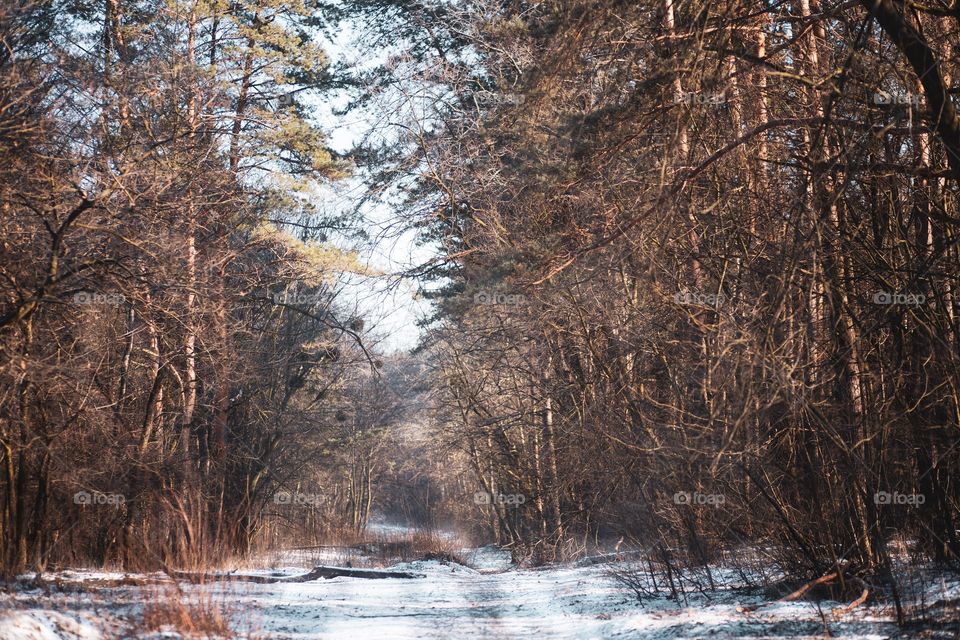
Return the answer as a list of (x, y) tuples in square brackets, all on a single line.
[(567, 602), (453, 601)]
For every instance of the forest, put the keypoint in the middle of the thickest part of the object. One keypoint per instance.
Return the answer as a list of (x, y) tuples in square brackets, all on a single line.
[(689, 272)]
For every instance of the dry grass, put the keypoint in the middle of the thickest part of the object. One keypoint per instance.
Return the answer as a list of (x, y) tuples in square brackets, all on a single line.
[(193, 612)]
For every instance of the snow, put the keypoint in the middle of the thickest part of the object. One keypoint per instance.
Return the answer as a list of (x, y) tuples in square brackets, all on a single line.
[(491, 599), (487, 559), (41, 624)]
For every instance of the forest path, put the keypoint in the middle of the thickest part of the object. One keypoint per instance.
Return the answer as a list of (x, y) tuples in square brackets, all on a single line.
[(557, 602), (450, 600)]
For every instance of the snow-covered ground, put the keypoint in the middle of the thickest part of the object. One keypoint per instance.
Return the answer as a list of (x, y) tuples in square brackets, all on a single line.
[(493, 600)]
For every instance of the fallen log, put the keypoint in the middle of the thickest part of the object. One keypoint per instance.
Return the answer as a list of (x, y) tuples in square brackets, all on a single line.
[(337, 572), (317, 573)]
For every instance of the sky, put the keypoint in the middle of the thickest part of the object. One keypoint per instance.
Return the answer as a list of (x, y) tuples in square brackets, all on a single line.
[(388, 303)]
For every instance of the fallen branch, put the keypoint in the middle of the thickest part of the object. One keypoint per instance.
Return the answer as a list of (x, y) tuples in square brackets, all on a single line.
[(824, 579), (841, 611), (316, 574), (830, 577)]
